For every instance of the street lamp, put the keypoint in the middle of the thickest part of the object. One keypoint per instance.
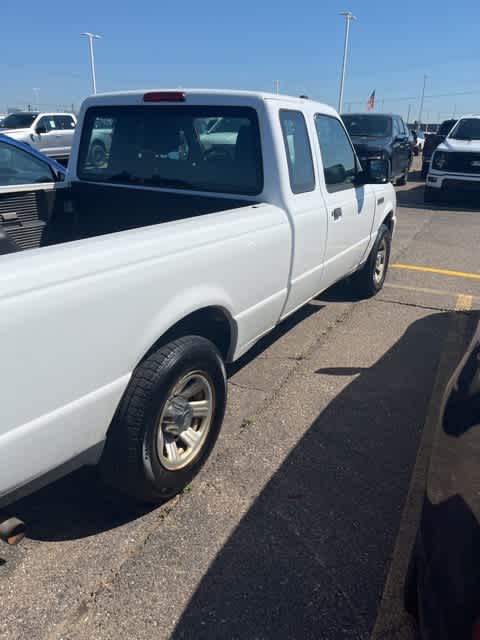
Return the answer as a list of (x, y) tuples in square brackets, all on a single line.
[(91, 37), (348, 18), (421, 101)]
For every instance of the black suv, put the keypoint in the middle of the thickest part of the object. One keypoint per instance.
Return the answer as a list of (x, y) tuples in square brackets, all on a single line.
[(381, 136), (432, 141)]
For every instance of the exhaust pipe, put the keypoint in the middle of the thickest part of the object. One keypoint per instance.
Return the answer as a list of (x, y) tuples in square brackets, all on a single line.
[(12, 530)]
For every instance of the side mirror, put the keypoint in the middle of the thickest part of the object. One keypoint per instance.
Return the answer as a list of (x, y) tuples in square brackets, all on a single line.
[(335, 174), (41, 130), (377, 171)]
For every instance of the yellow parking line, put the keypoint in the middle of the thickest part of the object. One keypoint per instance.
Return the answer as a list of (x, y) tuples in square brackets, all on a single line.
[(463, 303), (442, 272)]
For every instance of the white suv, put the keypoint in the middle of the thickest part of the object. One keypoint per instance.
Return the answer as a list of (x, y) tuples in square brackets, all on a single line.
[(455, 165), (49, 133)]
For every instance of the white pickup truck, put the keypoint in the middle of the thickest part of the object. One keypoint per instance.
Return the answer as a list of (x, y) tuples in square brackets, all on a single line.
[(49, 133), (161, 261)]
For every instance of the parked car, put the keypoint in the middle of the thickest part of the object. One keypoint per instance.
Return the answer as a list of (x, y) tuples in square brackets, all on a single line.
[(162, 264), (420, 141), (455, 165), (49, 133), (381, 136), (412, 138), (443, 581), (25, 174), (432, 141)]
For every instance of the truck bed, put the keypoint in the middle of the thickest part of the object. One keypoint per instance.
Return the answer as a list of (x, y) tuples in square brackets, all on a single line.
[(87, 210)]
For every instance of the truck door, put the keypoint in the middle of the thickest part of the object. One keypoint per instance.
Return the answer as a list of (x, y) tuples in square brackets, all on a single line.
[(27, 197), (47, 135), (307, 211), (65, 128), (350, 208)]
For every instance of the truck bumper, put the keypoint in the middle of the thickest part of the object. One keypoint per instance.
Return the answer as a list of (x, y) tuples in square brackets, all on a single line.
[(453, 182)]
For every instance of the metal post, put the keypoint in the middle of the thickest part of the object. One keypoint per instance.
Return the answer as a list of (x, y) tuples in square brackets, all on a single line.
[(421, 101), (348, 18), (408, 114), (276, 86), (37, 105), (91, 37)]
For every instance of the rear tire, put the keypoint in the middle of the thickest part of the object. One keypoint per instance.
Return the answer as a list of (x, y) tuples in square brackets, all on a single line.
[(424, 170), (98, 154), (167, 422), (369, 280)]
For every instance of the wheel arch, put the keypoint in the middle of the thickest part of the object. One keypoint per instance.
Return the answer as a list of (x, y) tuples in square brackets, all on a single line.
[(214, 322)]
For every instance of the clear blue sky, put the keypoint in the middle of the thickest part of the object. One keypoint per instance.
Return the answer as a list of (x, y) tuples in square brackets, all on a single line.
[(246, 44)]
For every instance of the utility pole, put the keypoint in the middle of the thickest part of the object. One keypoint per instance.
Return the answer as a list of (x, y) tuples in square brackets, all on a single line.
[(276, 86), (422, 99), (91, 37), (36, 92), (408, 114), (348, 18)]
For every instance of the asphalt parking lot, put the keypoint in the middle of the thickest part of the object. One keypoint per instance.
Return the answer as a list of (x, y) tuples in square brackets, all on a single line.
[(301, 524)]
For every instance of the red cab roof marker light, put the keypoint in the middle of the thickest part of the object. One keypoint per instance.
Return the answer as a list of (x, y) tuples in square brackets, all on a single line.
[(164, 96)]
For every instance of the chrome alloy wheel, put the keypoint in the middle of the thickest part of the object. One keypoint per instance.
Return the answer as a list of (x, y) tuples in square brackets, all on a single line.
[(380, 261)]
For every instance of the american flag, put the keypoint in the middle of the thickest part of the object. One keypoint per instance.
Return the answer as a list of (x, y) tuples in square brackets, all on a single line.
[(371, 101)]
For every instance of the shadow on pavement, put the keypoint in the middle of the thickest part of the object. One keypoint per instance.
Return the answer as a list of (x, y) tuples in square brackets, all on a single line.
[(79, 505), (414, 197), (310, 557), (280, 330)]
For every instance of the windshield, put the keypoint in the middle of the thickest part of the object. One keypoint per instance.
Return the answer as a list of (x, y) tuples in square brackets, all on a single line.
[(18, 121), (466, 129), (166, 146), (445, 127), (372, 126)]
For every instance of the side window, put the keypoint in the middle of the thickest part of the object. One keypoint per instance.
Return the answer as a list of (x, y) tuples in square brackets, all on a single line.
[(403, 127), (18, 167), (64, 122), (46, 122), (339, 162), (396, 128), (297, 149)]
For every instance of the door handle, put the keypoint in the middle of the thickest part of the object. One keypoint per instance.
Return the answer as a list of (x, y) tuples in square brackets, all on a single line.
[(337, 213)]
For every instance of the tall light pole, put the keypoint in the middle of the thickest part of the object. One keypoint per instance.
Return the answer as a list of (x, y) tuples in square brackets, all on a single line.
[(91, 37), (420, 113), (276, 86), (36, 92), (348, 18)]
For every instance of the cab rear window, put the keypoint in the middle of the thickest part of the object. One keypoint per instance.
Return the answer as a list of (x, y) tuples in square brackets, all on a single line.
[(200, 148)]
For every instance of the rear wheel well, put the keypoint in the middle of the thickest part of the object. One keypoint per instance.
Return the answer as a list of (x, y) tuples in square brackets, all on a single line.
[(212, 323)]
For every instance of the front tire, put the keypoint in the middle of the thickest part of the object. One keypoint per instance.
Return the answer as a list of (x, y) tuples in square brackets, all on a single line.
[(370, 279), (168, 420), (402, 181), (431, 195)]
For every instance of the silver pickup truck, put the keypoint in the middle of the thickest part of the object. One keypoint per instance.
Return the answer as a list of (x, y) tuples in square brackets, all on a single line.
[(49, 133)]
